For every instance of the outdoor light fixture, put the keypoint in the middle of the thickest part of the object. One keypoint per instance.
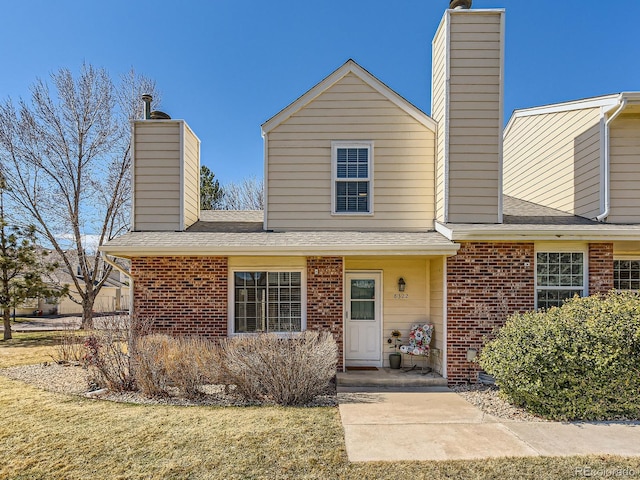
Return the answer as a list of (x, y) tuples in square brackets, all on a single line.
[(472, 353), (401, 284)]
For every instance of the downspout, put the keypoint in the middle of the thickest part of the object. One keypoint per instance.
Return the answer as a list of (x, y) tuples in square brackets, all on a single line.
[(607, 163), (108, 261)]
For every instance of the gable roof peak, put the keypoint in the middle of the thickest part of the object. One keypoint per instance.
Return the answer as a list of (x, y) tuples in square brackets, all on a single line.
[(350, 66)]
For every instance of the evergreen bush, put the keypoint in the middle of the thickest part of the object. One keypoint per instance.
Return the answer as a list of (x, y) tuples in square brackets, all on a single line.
[(578, 361)]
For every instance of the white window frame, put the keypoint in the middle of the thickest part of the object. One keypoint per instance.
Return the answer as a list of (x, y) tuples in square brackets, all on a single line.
[(582, 291), (335, 145), (231, 304), (622, 258)]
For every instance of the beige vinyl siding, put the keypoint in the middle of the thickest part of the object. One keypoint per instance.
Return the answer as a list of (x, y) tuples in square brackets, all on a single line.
[(191, 177), (299, 162), (438, 111), (467, 104), (156, 175), (166, 175), (553, 159), (624, 135), (401, 312), (474, 116)]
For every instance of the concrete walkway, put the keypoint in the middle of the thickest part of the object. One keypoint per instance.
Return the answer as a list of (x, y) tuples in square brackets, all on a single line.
[(441, 425), (46, 324)]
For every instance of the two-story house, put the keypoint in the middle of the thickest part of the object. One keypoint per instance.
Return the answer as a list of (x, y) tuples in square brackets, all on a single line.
[(379, 216)]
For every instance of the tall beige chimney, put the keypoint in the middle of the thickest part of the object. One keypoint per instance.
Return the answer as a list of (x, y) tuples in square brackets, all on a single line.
[(165, 174), (467, 103)]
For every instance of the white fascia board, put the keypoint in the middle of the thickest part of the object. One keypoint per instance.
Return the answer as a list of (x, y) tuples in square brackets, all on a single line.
[(182, 178), (371, 250), (631, 96), (515, 234), (501, 121), (443, 230), (349, 67), (265, 181), (605, 101)]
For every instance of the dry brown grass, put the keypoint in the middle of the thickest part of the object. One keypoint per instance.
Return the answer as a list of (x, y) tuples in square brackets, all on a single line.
[(28, 348), (52, 436)]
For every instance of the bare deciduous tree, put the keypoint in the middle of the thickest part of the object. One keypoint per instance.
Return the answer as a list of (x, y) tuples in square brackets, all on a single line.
[(246, 195), (66, 155)]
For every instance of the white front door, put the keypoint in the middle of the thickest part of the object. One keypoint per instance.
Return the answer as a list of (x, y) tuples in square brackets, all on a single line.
[(363, 322)]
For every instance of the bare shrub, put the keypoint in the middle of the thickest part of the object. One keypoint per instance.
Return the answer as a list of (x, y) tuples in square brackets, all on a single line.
[(186, 363), (286, 371), (195, 362), (110, 349), (151, 354), (70, 346)]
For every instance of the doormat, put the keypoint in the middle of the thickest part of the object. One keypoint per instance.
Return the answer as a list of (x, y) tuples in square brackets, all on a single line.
[(371, 369)]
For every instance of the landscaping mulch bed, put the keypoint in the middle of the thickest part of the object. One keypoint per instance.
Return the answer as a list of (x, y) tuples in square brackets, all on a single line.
[(75, 380)]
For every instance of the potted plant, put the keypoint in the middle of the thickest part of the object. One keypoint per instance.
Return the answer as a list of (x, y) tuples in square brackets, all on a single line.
[(395, 359)]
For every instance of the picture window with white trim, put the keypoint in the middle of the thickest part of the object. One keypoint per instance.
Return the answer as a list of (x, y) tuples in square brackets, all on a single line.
[(267, 302)]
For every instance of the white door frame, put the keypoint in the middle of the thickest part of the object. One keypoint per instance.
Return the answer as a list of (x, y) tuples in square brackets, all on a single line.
[(378, 276)]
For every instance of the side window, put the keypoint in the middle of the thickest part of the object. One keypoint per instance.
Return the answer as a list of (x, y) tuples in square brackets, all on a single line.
[(352, 188), (559, 276), (626, 274)]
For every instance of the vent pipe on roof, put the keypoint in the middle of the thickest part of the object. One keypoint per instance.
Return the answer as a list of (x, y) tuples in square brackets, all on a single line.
[(147, 99), (460, 4), (156, 114)]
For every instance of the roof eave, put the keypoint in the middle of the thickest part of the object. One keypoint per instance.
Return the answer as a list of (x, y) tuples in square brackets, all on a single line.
[(323, 250), (595, 234)]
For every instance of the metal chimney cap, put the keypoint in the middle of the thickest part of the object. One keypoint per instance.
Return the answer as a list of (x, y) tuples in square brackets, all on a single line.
[(147, 98), (460, 4), (158, 115)]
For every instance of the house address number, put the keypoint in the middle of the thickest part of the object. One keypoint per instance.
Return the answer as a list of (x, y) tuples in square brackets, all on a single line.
[(400, 296)]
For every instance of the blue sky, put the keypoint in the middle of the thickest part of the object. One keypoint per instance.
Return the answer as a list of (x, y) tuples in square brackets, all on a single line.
[(226, 66)]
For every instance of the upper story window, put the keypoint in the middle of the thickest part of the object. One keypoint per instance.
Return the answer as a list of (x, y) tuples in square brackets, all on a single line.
[(626, 274), (559, 276), (352, 173)]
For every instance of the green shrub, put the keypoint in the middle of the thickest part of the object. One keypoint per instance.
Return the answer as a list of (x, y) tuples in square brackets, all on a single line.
[(578, 361)]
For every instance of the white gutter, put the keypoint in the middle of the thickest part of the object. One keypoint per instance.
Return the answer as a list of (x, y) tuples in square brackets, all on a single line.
[(606, 181)]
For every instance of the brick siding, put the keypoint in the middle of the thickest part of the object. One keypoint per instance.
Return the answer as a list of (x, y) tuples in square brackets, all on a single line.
[(183, 295), (485, 283), (600, 267), (325, 298)]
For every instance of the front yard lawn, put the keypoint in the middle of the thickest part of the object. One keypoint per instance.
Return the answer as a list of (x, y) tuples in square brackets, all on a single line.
[(54, 436)]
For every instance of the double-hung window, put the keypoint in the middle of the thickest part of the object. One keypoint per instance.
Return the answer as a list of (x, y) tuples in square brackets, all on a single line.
[(267, 302), (352, 173), (559, 276), (626, 274)]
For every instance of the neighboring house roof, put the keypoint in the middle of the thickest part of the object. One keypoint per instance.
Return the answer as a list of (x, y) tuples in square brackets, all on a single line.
[(352, 67), (606, 101), (519, 212), (236, 221), (527, 221), (240, 233)]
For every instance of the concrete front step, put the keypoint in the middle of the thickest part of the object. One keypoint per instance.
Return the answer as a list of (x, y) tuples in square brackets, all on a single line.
[(387, 378)]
